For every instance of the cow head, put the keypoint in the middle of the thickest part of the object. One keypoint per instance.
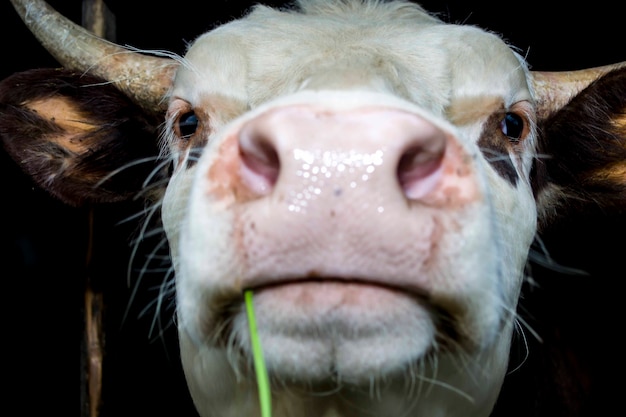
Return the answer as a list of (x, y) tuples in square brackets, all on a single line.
[(376, 177)]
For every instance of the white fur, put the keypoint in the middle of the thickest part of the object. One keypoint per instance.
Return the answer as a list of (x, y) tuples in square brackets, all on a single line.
[(335, 349)]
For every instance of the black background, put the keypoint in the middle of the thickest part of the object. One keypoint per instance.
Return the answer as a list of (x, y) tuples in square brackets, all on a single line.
[(44, 243)]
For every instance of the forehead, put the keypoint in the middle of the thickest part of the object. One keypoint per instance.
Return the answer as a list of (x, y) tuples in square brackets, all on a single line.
[(399, 49)]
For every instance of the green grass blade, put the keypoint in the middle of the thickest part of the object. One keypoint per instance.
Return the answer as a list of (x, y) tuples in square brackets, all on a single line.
[(263, 383)]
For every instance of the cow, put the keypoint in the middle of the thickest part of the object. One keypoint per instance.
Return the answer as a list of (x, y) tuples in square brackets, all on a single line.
[(377, 178)]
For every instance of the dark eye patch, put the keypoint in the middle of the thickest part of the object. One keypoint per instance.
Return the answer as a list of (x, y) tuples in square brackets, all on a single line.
[(495, 142)]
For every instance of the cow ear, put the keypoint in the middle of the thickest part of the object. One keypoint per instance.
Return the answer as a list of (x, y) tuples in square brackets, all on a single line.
[(581, 159), (77, 136)]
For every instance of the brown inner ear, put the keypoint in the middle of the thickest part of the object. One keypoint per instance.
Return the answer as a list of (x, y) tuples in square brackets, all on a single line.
[(63, 113)]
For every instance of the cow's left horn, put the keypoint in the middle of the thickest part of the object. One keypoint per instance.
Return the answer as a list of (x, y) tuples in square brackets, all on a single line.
[(555, 88), (144, 78)]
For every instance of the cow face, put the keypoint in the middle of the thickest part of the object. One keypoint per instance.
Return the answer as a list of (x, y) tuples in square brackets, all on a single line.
[(365, 170), (366, 174)]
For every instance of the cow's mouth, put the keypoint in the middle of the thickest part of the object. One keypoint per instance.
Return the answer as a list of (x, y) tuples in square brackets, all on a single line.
[(352, 326), (414, 291), (352, 302), (322, 294)]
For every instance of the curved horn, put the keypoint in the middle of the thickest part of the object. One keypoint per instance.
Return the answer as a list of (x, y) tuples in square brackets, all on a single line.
[(145, 79), (555, 88)]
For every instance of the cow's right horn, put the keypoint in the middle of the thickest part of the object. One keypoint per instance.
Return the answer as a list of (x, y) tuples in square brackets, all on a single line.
[(144, 78)]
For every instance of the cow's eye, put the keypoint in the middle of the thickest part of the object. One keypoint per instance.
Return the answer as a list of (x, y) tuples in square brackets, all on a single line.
[(512, 126), (187, 124)]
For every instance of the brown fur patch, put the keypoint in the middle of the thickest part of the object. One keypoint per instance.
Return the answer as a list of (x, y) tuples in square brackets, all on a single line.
[(466, 110), (63, 113)]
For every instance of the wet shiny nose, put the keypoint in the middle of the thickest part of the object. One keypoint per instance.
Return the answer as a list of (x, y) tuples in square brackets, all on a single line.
[(393, 151)]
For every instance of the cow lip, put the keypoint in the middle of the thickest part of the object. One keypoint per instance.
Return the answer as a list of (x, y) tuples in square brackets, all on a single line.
[(415, 291), (443, 315)]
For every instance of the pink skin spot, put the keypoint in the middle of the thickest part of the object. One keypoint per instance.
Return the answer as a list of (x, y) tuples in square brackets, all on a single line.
[(226, 185)]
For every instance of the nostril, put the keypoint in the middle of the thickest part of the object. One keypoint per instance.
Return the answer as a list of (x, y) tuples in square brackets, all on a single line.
[(419, 168), (260, 162)]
